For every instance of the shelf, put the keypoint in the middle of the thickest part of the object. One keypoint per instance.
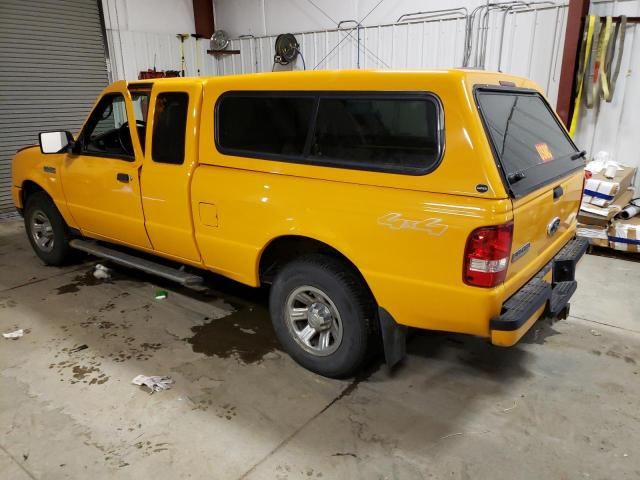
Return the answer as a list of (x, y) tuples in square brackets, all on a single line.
[(223, 52), (617, 19)]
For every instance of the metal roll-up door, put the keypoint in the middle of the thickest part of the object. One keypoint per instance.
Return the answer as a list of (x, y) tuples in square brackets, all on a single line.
[(52, 67)]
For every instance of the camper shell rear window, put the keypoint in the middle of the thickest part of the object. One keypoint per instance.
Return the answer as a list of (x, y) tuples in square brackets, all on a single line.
[(530, 145)]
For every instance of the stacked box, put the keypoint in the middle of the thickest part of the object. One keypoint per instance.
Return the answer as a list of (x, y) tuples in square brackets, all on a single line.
[(625, 235), (603, 199), (597, 235), (602, 191)]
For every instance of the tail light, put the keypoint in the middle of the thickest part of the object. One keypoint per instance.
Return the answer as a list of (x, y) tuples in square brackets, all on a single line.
[(486, 257)]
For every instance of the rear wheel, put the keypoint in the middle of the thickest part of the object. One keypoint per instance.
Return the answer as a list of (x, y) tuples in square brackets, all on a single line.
[(47, 231), (322, 315)]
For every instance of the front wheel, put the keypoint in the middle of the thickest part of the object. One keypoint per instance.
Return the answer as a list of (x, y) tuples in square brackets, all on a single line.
[(47, 230), (322, 314)]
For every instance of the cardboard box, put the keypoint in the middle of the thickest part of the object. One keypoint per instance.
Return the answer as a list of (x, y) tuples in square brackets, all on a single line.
[(598, 242), (590, 214), (625, 235), (602, 191), (596, 234)]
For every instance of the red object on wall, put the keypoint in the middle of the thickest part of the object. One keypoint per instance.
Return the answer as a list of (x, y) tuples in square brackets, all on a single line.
[(153, 73)]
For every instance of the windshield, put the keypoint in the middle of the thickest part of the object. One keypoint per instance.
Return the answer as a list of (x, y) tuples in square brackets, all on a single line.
[(530, 144)]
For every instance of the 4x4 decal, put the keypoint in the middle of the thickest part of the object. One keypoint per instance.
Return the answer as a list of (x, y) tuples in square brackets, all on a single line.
[(395, 221)]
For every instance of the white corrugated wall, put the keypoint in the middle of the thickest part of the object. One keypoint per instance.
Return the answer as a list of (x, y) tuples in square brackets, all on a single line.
[(614, 127), (527, 43)]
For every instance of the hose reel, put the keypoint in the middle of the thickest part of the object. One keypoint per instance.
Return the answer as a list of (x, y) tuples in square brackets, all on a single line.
[(287, 49)]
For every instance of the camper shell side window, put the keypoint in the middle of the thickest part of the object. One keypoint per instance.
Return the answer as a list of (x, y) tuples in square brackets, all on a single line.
[(396, 132)]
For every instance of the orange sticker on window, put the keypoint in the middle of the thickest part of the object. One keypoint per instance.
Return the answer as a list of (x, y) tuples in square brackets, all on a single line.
[(544, 152)]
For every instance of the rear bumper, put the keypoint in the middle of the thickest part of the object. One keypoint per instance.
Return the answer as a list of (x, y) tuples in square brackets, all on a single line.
[(547, 293)]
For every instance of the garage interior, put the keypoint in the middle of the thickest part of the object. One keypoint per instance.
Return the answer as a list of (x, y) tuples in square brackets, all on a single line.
[(562, 403)]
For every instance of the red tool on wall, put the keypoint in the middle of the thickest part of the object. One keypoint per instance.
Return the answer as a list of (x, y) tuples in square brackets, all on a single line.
[(153, 73)]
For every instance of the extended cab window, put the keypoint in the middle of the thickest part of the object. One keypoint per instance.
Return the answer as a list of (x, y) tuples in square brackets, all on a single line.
[(107, 130), (529, 143), (140, 101), (378, 133), (264, 124), (169, 128)]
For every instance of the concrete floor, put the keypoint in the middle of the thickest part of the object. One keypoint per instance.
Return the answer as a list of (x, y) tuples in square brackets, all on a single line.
[(564, 404)]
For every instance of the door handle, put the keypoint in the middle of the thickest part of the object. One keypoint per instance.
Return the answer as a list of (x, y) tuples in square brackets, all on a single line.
[(557, 192), (123, 177)]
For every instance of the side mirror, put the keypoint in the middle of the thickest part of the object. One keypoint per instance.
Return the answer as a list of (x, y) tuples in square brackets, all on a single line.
[(55, 142)]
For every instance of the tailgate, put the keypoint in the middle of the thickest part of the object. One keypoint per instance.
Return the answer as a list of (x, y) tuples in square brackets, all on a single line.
[(540, 166), (541, 217)]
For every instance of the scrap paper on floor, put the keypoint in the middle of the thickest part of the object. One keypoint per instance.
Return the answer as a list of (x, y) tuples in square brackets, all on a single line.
[(15, 334), (155, 383)]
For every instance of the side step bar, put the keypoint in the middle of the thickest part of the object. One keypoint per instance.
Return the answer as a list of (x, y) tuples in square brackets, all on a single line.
[(187, 279)]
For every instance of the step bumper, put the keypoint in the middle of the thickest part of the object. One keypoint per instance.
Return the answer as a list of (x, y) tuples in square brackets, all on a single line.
[(546, 294)]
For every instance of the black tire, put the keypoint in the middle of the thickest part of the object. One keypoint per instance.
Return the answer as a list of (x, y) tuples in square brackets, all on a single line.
[(60, 253), (345, 292)]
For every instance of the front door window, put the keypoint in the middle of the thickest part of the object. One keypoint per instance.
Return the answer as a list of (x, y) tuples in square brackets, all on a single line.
[(107, 131)]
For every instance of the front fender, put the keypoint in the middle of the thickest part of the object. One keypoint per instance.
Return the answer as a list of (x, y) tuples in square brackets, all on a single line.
[(31, 169)]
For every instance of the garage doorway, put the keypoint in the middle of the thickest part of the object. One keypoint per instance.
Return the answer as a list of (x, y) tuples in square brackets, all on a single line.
[(53, 67)]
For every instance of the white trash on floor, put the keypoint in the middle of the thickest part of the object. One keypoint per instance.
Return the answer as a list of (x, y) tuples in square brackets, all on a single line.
[(15, 334), (101, 272), (155, 383)]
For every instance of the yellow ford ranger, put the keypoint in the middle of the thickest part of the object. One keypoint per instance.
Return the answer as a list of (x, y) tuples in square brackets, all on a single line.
[(370, 201)]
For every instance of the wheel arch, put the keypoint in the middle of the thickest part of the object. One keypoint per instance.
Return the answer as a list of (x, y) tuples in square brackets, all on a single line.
[(281, 250), (28, 188), (285, 248)]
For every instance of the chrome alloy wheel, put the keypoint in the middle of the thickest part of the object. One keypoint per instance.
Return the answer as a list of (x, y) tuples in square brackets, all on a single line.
[(42, 231), (314, 321)]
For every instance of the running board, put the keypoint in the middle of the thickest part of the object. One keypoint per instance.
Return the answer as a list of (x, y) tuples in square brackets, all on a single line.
[(187, 279)]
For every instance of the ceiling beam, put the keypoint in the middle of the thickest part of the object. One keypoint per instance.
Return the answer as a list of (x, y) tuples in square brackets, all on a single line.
[(203, 17)]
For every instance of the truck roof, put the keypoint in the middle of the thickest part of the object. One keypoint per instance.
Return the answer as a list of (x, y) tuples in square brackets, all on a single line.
[(320, 75)]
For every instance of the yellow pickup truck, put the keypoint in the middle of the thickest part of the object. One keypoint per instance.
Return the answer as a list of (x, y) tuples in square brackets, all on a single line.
[(370, 201)]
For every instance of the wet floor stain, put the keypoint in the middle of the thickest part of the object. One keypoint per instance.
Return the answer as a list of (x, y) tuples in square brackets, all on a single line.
[(68, 288), (80, 371), (85, 280), (7, 303), (226, 411), (142, 352), (148, 447), (246, 333), (202, 404), (282, 472), (614, 353), (540, 332), (96, 321)]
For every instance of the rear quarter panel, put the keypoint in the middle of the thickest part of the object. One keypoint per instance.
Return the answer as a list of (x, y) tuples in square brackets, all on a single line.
[(408, 245)]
